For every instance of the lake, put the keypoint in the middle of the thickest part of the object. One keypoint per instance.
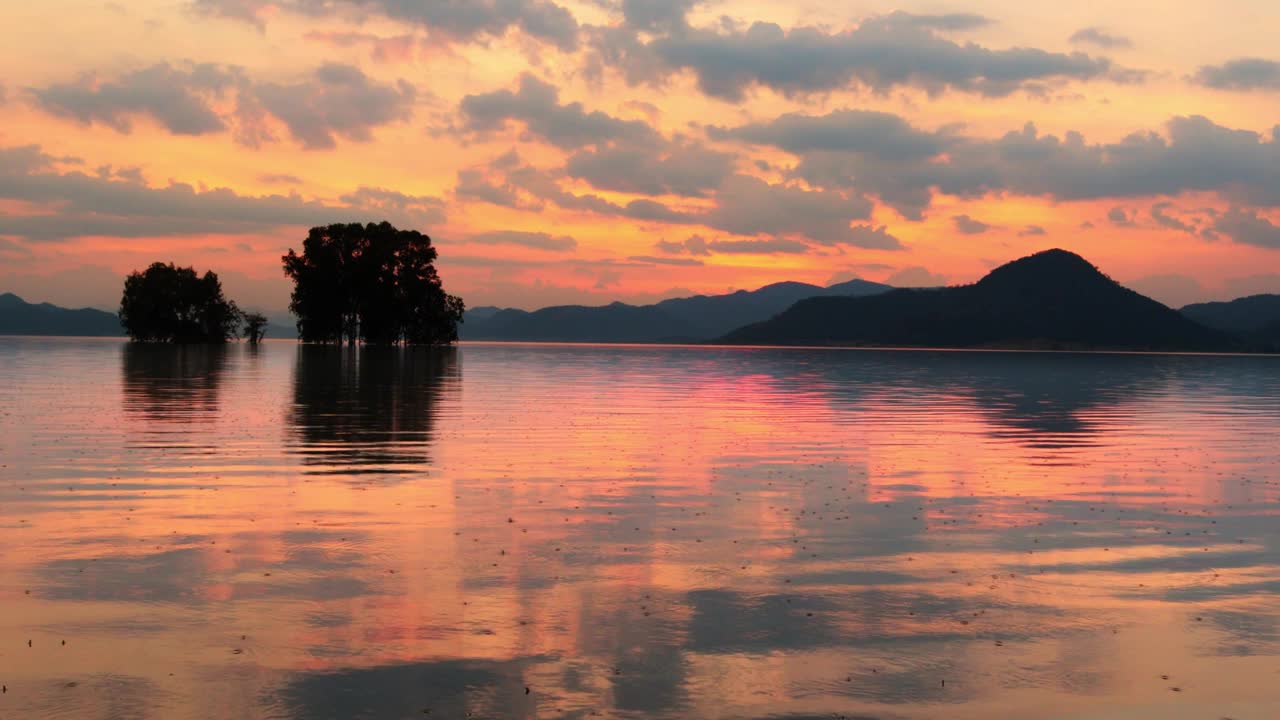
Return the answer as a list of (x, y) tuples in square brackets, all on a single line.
[(520, 531)]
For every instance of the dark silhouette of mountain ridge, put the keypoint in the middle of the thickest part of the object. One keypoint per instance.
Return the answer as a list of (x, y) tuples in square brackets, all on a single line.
[(1255, 318), (1051, 300), (19, 317), (692, 319)]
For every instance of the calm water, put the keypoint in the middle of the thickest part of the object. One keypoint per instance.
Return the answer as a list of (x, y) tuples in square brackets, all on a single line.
[(507, 531)]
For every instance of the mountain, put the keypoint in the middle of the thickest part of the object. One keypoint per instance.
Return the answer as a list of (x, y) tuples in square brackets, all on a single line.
[(691, 319), (1255, 318), (1051, 300), (19, 317)]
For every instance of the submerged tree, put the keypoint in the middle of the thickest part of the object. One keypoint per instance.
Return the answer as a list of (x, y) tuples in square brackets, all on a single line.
[(255, 327), (370, 283), (166, 303)]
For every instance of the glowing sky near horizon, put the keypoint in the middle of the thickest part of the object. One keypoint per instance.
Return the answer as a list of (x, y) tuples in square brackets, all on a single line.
[(585, 151)]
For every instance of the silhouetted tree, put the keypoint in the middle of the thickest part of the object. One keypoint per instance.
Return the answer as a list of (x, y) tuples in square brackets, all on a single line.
[(255, 327), (166, 303), (370, 283)]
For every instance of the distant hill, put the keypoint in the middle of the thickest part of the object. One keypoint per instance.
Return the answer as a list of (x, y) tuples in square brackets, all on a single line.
[(1051, 300), (1255, 318), (19, 317), (691, 319)]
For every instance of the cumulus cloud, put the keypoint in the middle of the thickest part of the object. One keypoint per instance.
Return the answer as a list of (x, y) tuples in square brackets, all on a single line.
[(882, 53), (1159, 213), (177, 98), (1193, 154), (450, 20), (1249, 228), (966, 225), (535, 105), (878, 134), (685, 169), (337, 101), (1100, 38), (747, 205), (68, 204), (758, 246), (1241, 74), (1120, 217), (196, 99), (535, 240)]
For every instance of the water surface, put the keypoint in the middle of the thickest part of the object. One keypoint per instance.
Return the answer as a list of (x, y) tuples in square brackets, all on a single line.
[(520, 531)]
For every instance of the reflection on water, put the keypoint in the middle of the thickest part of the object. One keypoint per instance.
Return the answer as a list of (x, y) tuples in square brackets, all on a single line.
[(368, 410), (520, 531)]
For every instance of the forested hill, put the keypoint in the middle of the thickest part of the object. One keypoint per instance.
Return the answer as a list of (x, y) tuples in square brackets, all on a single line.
[(1053, 299)]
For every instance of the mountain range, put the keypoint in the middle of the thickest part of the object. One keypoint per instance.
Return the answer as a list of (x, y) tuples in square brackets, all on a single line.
[(692, 319), (1050, 300)]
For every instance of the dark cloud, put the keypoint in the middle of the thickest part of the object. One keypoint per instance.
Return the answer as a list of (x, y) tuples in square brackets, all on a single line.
[(966, 225), (681, 262), (1120, 217), (1164, 219), (535, 240), (685, 169), (76, 204), (178, 98), (1031, 230), (883, 53), (693, 245), (452, 20), (1100, 38), (334, 101), (657, 15), (747, 205), (337, 101), (758, 246), (878, 134), (1241, 74), (536, 105), (1248, 228), (1194, 155)]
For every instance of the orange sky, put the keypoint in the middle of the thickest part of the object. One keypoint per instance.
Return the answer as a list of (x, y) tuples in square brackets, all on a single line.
[(562, 151)]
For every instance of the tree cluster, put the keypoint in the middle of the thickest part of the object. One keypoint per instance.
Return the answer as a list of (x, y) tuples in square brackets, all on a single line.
[(372, 284), (171, 304)]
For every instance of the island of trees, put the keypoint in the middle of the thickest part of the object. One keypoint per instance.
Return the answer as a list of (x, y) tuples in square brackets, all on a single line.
[(371, 284)]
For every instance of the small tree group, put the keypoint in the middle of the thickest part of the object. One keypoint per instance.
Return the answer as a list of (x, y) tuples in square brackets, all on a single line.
[(373, 284), (170, 304)]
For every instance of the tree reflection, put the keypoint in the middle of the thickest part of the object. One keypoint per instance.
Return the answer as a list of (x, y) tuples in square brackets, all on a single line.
[(368, 409), (172, 383)]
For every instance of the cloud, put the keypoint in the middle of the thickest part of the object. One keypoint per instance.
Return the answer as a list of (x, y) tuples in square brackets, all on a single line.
[(1193, 155), (1031, 230), (535, 104), (680, 262), (916, 277), (393, 49), (1100, 38), (966, 225), (535, 240), (657, 15), (746, 205), (694, 245), (74, 204), (877, 134), (1248, 228), (685, 169), (882, 53), (337, 101), (448, 20), (177, 98), (1163, 219), (758, 246), (279, 179), (1240, 74), (1120, 217), (198, 99)]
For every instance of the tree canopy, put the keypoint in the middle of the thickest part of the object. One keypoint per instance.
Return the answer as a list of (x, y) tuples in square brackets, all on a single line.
[(370, 283), (166, 303)]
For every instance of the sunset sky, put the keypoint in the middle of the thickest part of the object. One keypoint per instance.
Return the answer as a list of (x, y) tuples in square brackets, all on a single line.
[(585, 151)]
